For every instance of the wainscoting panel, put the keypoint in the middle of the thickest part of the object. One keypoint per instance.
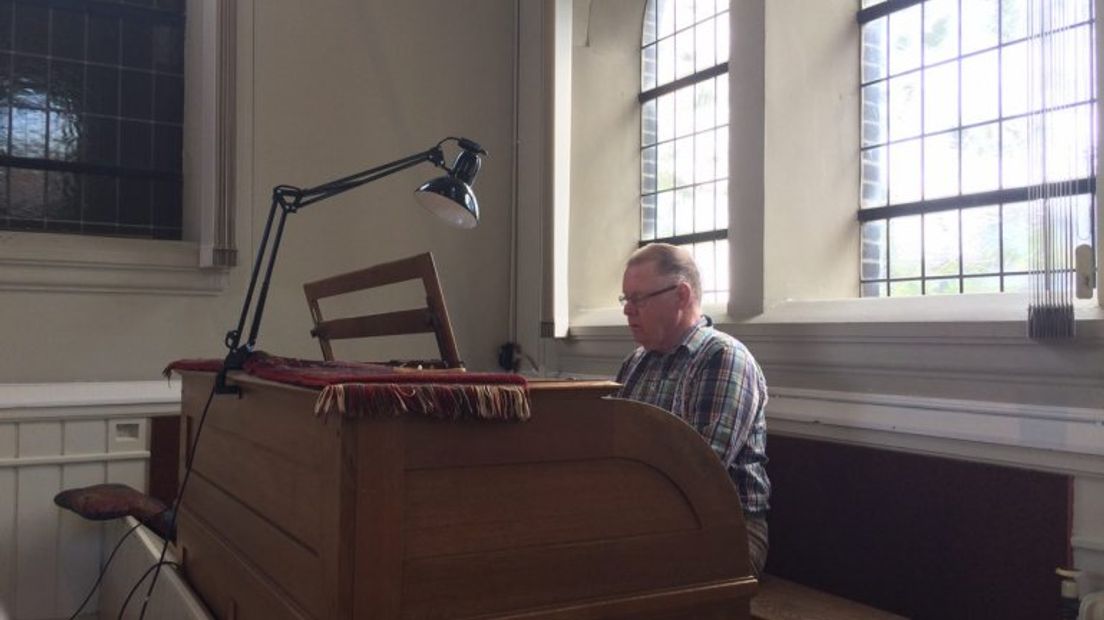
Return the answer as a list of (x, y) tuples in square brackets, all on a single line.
[(54, 437)]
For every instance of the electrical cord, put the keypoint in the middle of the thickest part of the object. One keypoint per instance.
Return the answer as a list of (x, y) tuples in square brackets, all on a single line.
[(134, 588), (189, 459), (103, 569)]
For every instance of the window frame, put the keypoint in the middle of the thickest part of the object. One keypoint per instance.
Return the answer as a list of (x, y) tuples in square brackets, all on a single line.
[(653, 94)]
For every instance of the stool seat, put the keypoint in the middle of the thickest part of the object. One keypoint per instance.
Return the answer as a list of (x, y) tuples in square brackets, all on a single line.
[(101, 502)]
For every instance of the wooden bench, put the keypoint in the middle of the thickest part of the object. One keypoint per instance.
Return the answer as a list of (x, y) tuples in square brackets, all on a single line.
[(779, 599)]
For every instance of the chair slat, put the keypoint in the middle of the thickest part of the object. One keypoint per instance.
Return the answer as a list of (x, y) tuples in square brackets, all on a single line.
[(371, 326)]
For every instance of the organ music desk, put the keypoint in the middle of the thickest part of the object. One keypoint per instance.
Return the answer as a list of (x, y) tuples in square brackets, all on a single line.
[(593, 508)]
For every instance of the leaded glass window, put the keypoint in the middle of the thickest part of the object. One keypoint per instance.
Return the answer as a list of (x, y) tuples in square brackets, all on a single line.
[(91, 116), (945, 141)]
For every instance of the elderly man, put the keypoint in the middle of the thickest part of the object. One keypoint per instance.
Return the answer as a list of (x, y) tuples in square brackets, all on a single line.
[(704, 376)]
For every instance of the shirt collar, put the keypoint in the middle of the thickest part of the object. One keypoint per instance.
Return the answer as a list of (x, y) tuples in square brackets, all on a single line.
[(693, 339), (696, 337)]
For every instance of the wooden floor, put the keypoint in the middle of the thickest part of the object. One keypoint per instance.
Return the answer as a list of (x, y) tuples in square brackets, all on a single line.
[(779, 599)]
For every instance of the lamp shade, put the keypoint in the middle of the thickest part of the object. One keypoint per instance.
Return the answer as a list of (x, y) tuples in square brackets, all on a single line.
[(451, 200)]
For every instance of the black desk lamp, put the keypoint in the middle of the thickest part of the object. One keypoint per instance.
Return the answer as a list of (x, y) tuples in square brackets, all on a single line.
[(449, 196)]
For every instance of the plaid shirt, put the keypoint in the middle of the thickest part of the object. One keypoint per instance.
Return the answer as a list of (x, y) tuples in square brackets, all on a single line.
[(712, 383)]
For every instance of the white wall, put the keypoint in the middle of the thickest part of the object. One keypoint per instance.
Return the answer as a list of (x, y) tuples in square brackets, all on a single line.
[(324, 89)]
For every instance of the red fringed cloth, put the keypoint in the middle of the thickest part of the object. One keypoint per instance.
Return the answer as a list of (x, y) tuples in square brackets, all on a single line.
[(356, 389)]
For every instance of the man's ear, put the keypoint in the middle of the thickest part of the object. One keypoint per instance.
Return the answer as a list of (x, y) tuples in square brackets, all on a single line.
[(685, 295)]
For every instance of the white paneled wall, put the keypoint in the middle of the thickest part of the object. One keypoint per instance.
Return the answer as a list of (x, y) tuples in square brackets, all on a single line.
[(55, 437)]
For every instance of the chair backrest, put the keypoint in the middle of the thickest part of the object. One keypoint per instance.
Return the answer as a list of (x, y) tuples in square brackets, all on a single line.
[(432, 318)]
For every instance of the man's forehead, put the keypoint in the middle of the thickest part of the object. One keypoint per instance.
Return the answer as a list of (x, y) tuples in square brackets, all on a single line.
[(642, 271)]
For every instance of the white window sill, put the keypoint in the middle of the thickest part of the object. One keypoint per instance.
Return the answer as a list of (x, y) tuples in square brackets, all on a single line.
[(981, 314), (73, 263)]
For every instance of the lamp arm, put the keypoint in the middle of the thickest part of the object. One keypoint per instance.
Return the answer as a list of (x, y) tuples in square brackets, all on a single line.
[(311, 195), (289, 199)]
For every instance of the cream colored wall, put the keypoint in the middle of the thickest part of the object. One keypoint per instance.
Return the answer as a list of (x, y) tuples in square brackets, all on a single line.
[(811, 243), (333, 87), (605, 138)]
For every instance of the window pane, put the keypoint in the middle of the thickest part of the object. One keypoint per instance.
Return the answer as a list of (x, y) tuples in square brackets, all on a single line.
[(980, 95), (684, 53), (979, 25), (874, 174), (981, 285), (65, 137), (665, 61), (665, 166), (706, 258), (904, 247), (648, 123), (1014, 153), (873, 289), (908, 288), (873, 114), (647, 217), (649, 35), (940, 30), (1016, 236), (684, 111), (1068, 81), (940, 97), (941, 286), (1083, 227), (665, 117), (981, 240), (874, 52), (720, 249), (703, 9), (1068, 150), (665, 17), (1016, 97), (873, 250), (941, 244), (665, 214), (684, 211), (721, 99), (1014, 19), (648, 68), (1017, 284), (648, 170), (722, 205), (722, 152), (904, 172), (722, 37), (705, 157), (28, 133), (704, 207), (684, 14), (904, 106), (684, 161), (980, 161), (941, 165), (705, 105), (705, 54), (1064, 13), (904, 37)]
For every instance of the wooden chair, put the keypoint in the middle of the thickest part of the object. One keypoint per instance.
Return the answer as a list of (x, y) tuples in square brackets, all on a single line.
[(432, 318)]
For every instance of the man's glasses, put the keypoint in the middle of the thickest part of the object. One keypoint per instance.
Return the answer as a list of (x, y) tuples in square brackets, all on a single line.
[(637, 300)]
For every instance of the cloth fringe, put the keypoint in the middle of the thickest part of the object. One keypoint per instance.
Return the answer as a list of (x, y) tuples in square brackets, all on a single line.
[(435, 400)]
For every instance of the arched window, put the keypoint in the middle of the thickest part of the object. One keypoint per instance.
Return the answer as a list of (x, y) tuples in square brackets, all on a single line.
[(684, 133)]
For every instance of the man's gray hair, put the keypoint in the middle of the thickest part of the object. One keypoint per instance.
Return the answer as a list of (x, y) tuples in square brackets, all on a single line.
[(670, 260)]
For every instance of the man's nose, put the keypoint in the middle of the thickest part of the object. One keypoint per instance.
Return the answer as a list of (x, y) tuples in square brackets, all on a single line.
[(628, 309)]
